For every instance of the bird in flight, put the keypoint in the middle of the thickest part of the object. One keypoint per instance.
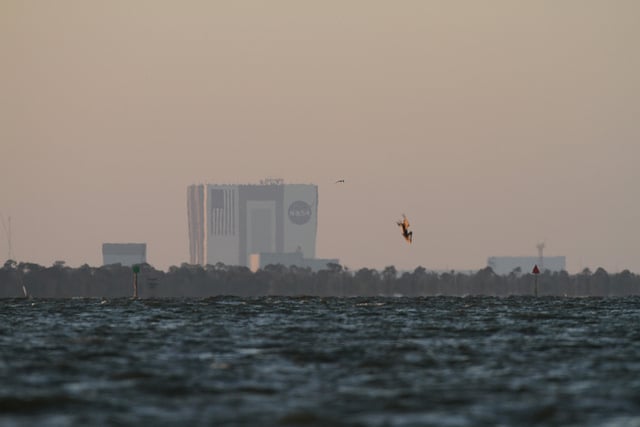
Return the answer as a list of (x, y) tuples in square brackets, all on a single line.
[(340, 180), (408, 235)]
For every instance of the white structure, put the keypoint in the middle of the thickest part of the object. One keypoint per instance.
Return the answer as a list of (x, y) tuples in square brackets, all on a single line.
[(504, 265), (126, 254), (227, 223)]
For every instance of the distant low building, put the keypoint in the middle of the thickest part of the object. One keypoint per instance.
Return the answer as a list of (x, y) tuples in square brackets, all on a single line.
[(288, 259), (126, 254), (504, 265)]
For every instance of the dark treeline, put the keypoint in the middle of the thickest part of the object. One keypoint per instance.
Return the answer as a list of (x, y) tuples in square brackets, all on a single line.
[(60, 281)]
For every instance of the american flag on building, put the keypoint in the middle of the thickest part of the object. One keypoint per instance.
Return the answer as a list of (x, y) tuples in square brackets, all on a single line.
[(222, 221)]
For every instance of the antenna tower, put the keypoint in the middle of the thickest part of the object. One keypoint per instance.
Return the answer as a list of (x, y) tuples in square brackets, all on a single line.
[(7, 231), (540, 247)]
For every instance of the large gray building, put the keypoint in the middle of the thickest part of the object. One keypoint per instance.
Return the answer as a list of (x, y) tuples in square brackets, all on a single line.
[(229, 222)]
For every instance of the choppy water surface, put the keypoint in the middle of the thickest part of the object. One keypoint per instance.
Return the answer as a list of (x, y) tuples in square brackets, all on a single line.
[(321, 362)]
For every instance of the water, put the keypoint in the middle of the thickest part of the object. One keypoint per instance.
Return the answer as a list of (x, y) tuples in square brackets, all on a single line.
[(271, 361)]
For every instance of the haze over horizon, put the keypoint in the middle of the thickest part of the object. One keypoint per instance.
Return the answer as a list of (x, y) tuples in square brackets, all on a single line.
[(492, 125)]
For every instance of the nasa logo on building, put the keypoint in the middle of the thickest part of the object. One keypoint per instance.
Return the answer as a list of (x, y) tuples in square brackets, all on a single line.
[(299, 212)]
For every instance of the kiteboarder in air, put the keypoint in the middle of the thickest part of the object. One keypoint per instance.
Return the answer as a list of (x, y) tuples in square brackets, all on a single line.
[(408, 235)]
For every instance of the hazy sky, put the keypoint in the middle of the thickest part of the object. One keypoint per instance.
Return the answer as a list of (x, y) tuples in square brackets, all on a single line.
[(492, 124)]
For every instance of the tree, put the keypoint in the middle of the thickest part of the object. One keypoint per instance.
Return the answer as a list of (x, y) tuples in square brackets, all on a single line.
[(389, 275)]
